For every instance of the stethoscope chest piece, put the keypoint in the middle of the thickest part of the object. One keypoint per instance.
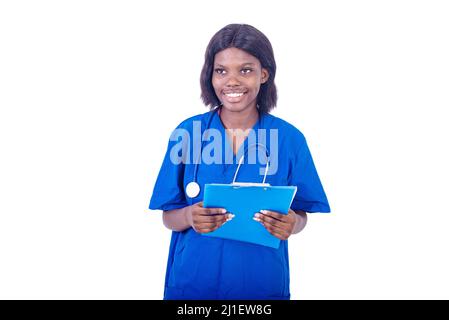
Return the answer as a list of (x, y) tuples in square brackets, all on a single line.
[(192, 189)]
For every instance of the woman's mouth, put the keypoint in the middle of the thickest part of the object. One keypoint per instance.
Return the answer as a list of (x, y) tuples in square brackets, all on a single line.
[(234, 96)]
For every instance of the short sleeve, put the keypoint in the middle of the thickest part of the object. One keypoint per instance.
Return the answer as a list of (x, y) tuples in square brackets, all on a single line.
[(310, 196), (168, 192)]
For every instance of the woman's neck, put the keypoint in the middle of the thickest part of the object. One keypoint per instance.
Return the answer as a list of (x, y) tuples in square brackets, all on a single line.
[(244, 119)]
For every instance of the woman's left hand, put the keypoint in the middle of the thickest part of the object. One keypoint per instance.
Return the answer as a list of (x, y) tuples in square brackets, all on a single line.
[(279, 225)]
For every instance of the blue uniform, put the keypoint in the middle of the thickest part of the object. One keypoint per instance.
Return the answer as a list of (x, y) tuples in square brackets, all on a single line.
[(202, 267)]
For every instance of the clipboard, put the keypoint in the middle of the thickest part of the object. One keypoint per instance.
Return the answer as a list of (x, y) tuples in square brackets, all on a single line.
[(244, 200)]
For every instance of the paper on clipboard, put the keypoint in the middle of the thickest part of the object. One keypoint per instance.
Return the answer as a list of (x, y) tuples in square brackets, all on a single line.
[(244, 200)]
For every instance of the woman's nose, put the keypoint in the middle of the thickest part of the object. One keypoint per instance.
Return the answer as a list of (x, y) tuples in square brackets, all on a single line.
[(233, 81)]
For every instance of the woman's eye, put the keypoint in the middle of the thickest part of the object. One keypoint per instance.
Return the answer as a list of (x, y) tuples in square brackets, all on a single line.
[(219, 71), (246, 70)]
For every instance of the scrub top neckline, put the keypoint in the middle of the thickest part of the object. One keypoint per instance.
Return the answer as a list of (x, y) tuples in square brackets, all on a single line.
[(223, 129)]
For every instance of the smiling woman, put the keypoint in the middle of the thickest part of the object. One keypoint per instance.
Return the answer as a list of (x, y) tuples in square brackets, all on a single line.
[(237, 78), (239, 56), (237, 83)]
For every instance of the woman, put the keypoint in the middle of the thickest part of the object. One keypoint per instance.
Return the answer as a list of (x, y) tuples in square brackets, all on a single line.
[(237, 83)]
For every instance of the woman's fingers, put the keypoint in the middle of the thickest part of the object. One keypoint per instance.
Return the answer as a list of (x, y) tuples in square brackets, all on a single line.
[(210, 211), (208, 227), (277, 232), (212, 218), (279, 225), (274, 215), (268, 219), (205, 227), (204, 222)]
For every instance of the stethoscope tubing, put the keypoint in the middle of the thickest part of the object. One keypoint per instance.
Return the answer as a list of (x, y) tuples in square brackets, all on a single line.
[(193, 189)]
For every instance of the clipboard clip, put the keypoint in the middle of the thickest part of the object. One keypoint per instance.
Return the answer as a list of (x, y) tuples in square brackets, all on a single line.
[(249, 184)]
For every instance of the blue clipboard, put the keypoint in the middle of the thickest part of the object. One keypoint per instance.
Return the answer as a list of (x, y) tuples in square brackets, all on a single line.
[(244, 200)]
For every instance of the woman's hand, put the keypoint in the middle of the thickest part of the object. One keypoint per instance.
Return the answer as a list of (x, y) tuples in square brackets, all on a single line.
[(282, 226), (204, 220)]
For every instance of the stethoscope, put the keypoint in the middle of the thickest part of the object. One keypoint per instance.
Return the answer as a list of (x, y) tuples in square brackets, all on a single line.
[(193, 188)]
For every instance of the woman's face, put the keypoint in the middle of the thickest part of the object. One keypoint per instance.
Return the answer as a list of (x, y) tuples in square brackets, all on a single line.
[(236, 79)]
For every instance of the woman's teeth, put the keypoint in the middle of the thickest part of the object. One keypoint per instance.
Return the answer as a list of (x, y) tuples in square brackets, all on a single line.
[(234, 95)]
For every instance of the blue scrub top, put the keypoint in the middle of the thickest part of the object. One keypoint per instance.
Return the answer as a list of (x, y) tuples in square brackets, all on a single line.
[(202, 267)]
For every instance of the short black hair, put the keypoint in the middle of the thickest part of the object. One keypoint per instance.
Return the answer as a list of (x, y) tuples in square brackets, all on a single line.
[(254, 42)]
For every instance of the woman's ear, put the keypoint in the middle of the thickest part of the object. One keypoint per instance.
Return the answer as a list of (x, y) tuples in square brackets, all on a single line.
[(264, 75)]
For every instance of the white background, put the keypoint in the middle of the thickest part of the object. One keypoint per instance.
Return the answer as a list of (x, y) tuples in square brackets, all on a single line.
[(90, 91)]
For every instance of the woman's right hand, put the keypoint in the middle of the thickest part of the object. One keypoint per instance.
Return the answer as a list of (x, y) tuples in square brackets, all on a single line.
[(204, 220)]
